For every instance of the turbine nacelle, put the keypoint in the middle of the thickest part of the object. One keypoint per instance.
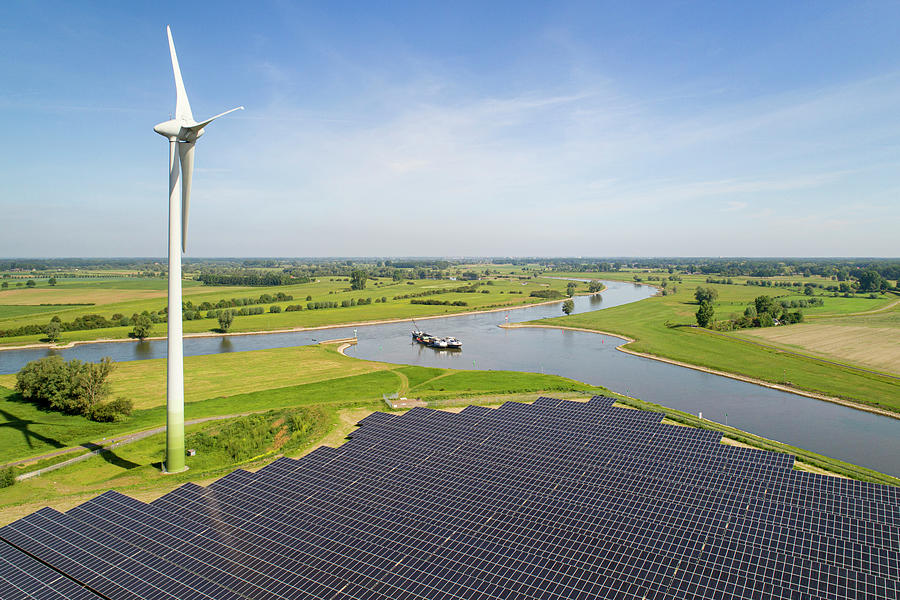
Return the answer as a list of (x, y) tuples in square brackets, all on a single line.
[(176, 130)]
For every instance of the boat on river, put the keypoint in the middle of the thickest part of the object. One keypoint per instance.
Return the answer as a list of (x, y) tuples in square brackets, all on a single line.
[(431, 341)]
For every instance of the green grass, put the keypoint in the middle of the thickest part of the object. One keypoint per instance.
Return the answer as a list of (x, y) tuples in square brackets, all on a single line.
[(645, 322), (118, 296), (419, 375), (221, 384), (15, 311)]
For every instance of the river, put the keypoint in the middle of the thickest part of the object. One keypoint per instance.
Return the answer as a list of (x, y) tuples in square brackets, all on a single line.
[(854, 436)]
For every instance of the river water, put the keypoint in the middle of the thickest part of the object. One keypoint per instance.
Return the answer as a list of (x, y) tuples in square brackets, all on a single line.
[(854, 436)]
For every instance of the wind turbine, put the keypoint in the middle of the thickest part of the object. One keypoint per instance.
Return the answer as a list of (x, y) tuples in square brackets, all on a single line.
[(182, 133)]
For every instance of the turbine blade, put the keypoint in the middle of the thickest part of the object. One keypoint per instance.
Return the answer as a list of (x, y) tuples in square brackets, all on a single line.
[(186, 154), (182, 106), (203, 124)]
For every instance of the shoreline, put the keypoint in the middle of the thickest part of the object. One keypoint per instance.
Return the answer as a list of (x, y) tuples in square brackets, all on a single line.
[(50, 346), (744, 378)]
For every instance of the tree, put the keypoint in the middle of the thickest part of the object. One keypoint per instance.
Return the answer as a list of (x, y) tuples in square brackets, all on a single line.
[(226, 318), (703, 294), (570, 289), (52, 281), (72, 387), (7, 477), (568, 306), (52, 330), (30, 283), (4, 285), (595, 286), (89, 383), (358, 279), (764, 305), (705, 314), (45, 381), (871, 280), (142, 326)]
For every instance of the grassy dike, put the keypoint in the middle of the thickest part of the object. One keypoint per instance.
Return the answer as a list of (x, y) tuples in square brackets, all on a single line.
[(323, 390), (661, 326)]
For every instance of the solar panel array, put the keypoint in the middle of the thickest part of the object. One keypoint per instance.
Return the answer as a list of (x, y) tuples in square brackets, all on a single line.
[(555, 499)]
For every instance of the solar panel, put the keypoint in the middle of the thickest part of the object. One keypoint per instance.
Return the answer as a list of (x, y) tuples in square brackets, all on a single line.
[(22, 576), (555, 499)]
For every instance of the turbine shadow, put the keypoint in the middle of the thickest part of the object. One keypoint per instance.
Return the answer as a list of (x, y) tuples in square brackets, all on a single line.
[(112, 458), (24, 426)]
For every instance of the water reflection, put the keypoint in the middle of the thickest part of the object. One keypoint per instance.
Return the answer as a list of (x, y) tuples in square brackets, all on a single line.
[(143, 350)]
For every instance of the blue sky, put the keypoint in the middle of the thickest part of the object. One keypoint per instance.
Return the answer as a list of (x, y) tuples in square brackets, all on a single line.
[(520, 128)]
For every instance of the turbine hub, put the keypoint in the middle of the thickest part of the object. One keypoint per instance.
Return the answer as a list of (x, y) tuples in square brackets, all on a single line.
[(169, 129)]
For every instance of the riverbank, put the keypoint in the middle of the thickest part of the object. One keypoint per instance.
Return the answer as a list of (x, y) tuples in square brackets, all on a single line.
[(212, 334), (660, 327), (753, 380)]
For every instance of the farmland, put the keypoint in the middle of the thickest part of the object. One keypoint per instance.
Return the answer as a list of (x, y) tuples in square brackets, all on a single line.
[(121, 297)]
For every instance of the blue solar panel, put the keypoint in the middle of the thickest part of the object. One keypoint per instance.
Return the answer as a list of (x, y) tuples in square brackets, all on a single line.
[(555, 499)]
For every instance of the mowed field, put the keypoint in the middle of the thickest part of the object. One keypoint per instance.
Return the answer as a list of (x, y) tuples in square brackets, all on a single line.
[(867, 340)]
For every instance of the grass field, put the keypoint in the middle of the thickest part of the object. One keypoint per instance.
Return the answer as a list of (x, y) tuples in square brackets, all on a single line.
[(222, 384), (144, 381), (15, 311), (129, 296), (660, 326)]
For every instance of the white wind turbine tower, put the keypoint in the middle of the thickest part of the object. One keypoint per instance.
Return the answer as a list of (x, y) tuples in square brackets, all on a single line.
[(182, 133)]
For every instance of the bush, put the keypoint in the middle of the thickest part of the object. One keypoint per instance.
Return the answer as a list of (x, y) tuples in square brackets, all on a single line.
[(72, 387), (274, 309), (548, 294), (7, 477), (107, 412)]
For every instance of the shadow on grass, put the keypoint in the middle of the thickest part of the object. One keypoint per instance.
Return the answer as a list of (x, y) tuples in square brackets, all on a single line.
[(114, 459), (24, 427)]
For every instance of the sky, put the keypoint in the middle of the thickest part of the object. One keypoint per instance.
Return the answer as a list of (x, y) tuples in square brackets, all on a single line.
[(456, 128)]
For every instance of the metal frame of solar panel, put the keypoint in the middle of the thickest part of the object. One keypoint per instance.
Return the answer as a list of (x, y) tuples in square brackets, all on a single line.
[(554, 499)]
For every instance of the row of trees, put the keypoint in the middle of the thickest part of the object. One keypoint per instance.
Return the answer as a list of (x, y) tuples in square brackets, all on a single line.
[(249, 277), (81, 323), (73, 387), (432, 301), (464, 289)]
